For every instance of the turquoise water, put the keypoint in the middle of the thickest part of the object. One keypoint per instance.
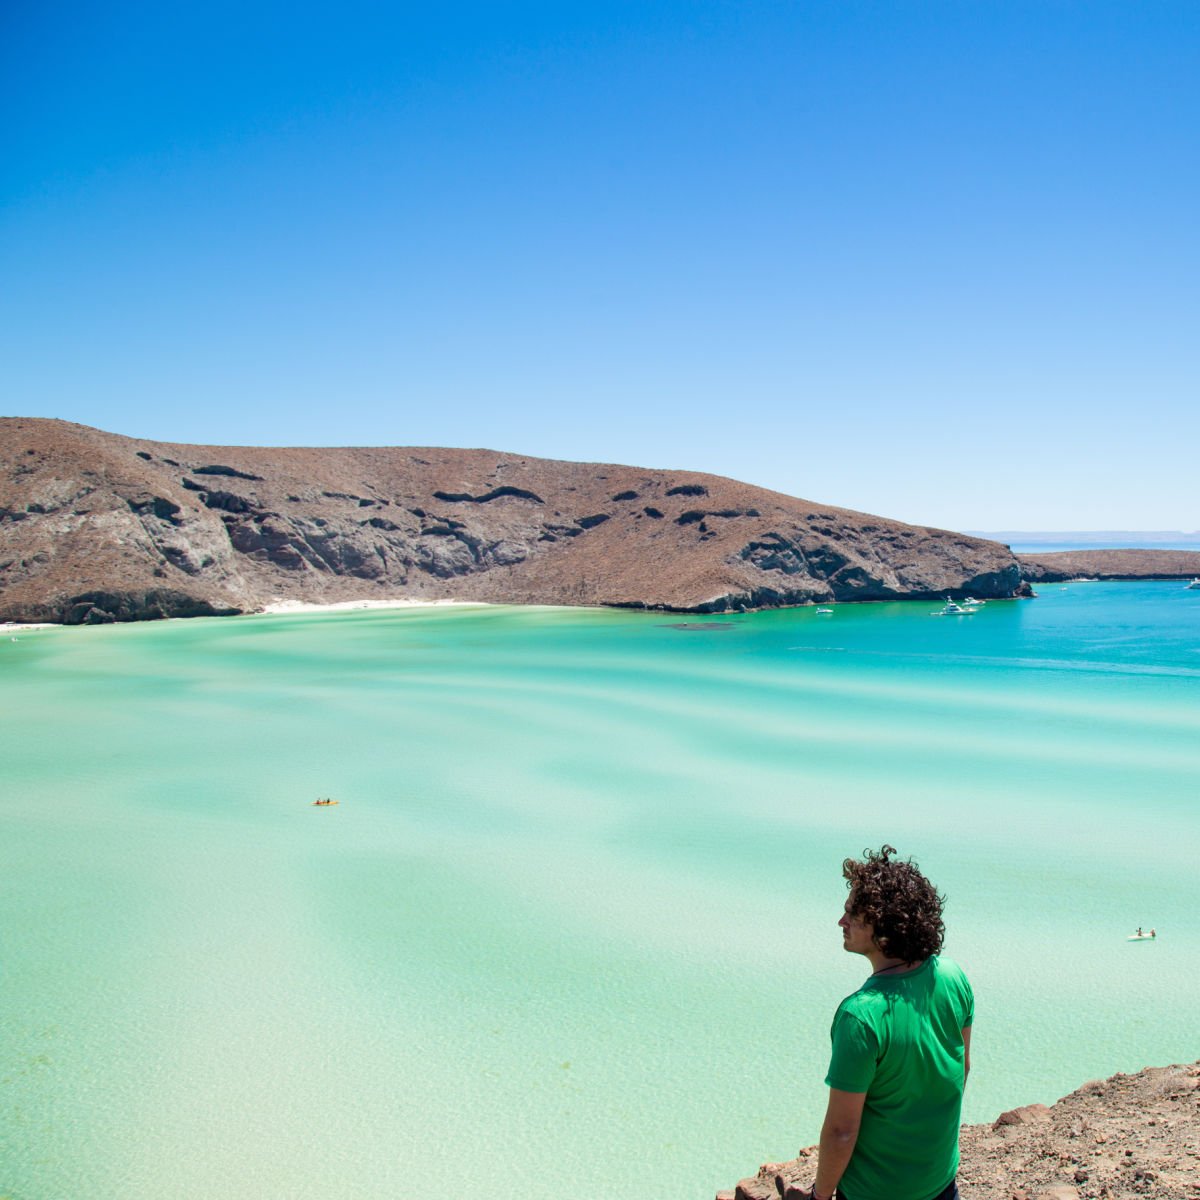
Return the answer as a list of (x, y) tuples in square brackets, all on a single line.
[(574, 919)]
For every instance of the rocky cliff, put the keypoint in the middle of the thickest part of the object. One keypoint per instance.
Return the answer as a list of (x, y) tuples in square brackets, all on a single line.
[(98, 527), (1130, 1137)]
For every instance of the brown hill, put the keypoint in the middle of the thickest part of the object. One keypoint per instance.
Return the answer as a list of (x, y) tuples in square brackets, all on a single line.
[(1061, 565), (98, 527)]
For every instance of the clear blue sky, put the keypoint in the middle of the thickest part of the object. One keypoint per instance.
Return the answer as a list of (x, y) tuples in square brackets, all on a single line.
[(939, 261)]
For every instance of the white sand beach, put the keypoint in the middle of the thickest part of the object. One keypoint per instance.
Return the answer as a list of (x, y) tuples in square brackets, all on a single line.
[(277, 607), (283, 607)]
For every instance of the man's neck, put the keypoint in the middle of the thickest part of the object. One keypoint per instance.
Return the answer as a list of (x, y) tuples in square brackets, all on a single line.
[(881, 962)]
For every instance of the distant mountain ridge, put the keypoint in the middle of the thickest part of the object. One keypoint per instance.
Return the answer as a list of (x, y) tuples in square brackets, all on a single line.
[(1130, 538)]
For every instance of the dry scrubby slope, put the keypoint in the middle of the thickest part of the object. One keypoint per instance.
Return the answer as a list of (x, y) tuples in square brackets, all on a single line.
[(1061, 565), (95, 526)]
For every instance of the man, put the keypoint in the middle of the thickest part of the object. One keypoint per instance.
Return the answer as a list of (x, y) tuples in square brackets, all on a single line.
[(901, 1045)]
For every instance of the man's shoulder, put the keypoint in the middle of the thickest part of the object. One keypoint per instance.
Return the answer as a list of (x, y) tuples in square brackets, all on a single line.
[(953, 984), (857, 1020), (861, 1004), (948, 969)]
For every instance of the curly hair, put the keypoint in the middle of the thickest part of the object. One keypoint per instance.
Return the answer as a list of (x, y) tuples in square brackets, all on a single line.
[(901, 905)]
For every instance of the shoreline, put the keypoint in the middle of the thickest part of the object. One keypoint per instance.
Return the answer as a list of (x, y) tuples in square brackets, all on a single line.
[(274, 609), (284, 607)]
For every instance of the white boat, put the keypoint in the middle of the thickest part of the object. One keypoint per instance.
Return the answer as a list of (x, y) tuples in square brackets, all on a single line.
[(953, 610), (1194, 585), (825, 612), (971, 602)]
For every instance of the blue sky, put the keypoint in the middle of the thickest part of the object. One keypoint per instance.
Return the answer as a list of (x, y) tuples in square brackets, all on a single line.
[(938, 261)]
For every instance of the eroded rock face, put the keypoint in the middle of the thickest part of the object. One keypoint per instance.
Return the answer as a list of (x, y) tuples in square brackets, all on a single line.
[(105, 608), (84, 512)]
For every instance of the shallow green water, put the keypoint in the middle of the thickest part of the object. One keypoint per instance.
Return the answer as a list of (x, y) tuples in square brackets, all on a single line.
[(574, 919)]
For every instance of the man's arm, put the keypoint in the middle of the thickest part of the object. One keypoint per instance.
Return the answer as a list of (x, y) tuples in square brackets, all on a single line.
[(966, 1054), (838, 1136)]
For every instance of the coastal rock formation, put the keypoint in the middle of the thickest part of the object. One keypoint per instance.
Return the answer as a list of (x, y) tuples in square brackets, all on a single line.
[(1057, 566), (97, 527), (1130, 1137)]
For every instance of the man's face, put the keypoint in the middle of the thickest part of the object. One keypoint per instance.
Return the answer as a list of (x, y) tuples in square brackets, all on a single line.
[(857, 936)]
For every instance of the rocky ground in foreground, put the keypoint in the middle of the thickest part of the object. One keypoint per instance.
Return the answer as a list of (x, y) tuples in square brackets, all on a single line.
[(1130, 1137)]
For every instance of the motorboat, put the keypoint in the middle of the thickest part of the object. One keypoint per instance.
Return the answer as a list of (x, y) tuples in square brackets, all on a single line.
[(1194, 586), (825, 612), (971, 602), (953, 610)]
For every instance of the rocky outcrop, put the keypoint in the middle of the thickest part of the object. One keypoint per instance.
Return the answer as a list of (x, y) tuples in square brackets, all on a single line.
[(96, 526), (1130, 1137), (106, 608), (1058, 566)]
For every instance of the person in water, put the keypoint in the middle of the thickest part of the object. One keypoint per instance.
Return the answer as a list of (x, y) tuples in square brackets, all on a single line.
[(901, 1045)]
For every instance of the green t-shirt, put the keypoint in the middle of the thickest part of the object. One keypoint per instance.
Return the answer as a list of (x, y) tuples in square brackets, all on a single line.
[(899, 1039)]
